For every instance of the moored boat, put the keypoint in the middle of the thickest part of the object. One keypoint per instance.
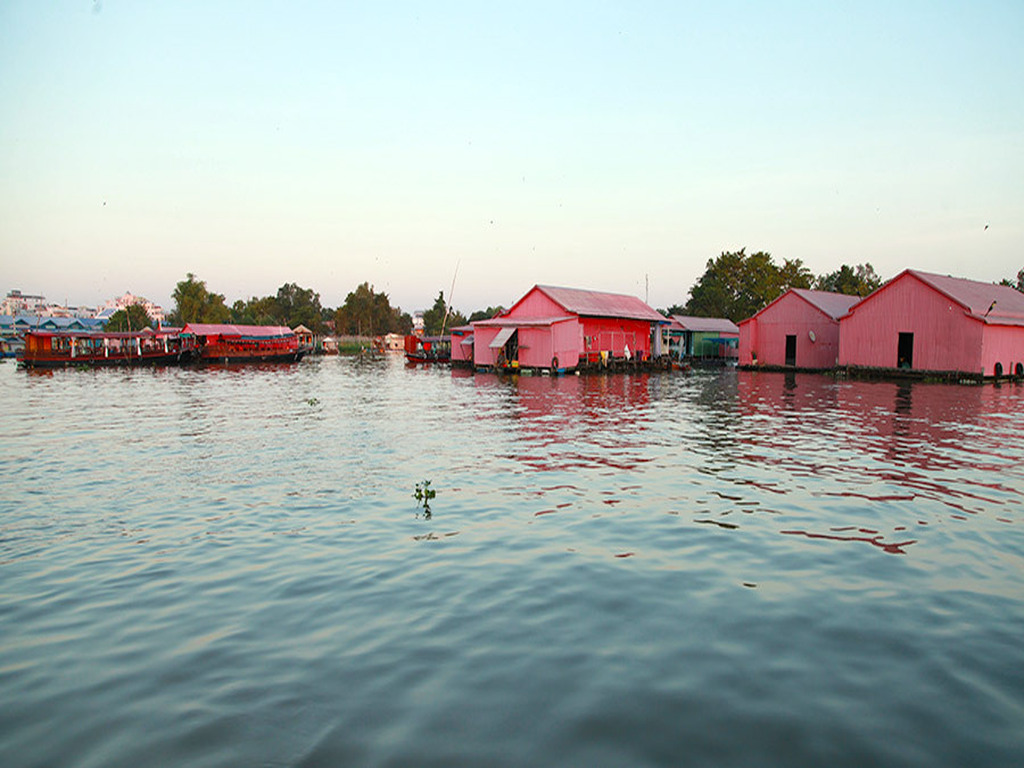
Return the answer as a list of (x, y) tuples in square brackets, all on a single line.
[(74, 349), (243, 343), (428, 349)]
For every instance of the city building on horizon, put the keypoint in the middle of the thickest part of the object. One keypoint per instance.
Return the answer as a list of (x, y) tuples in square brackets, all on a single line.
[(18, 303)]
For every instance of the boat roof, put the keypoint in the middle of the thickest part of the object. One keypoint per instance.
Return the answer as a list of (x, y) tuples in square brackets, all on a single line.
[(242, 331)]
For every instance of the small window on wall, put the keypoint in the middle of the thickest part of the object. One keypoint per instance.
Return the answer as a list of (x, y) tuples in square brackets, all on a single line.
[(998, 370), (1019, 369)]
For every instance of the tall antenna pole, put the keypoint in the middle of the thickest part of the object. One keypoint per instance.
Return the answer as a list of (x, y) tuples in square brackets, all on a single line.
[(448, 305)]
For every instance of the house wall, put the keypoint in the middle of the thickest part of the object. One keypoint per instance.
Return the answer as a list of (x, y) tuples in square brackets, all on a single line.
[(765, 335), (1002, 344), (461, 353), (613, 335), (748, 341), (483, 355), (536, 304), (704, 348), (945, 338)]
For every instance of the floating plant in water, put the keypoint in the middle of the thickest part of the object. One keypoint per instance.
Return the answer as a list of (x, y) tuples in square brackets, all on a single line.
[(424, 493), (312, 401)]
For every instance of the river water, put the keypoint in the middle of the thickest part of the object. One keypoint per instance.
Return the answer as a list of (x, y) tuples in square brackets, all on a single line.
[(228, 567)]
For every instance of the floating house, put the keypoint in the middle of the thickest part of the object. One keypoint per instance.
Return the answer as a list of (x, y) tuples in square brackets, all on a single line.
[(704, 338), (925, 322), (462, 345), (567, 328), (800, 329)]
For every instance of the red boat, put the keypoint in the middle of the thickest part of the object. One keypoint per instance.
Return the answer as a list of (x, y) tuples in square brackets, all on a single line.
[(243, 343), (73, 349), (428, 349)]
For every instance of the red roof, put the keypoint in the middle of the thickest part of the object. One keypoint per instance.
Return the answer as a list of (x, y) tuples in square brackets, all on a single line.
[(243, 331), (991, 303), (598, 304)]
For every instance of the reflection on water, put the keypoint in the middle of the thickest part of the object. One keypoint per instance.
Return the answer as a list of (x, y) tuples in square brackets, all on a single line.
[(232, 567)]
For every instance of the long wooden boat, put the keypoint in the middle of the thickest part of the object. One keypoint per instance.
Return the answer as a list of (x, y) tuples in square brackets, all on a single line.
[(230, 344), (75, 349)]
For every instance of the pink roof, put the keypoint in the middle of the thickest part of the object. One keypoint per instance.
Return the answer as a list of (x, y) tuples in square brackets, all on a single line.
[(835, 305), (598, 304), (245, 331), (705, 324), (521, 322), (994, 304)]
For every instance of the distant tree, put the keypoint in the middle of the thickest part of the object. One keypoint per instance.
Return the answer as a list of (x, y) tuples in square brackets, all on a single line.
[(299, 306), (737, 286), (486, 314), (675, 309), (135, 318), (1019, 285), (368, 313), (853, 281), (440, 317), (193, 303)]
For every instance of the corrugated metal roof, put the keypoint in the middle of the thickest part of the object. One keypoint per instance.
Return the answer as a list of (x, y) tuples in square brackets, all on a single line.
[(995, 304), (835, 305), (599, 304), (503, 335), (245, 331), (706, 324), (521, 322)]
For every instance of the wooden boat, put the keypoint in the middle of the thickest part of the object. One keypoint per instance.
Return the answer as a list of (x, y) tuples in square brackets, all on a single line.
[(243, 343), (428, 349), (65, 349)]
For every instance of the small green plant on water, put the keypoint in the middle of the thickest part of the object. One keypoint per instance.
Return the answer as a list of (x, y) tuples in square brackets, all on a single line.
[(424, 493), (312, 401)]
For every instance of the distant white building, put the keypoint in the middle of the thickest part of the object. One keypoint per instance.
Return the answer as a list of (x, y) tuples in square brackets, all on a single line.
[(18, 303), (155, 312)]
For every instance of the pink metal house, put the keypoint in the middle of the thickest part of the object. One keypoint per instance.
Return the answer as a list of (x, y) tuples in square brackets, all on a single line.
[(926, 322), (462, 345), (800, 329), (564, 328)]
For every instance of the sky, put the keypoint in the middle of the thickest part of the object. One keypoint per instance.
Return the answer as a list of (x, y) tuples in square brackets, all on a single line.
[(613, 146)]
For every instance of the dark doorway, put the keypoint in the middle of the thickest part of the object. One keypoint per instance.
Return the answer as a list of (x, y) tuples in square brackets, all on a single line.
[(791, 350), (511, 348), (905, 351)]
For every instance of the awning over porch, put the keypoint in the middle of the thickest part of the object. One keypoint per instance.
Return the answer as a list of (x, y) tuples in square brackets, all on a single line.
[(503, 335)]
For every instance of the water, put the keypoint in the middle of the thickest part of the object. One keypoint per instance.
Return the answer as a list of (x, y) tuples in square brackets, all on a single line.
[(224, 567)]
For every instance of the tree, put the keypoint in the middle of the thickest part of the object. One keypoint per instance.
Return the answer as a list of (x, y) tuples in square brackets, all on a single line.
[(853, 281), (134, 318), (299, 306), (441, 317), (1019, 285), (486, 314), (194, 304), (736, 285), (368, 313)]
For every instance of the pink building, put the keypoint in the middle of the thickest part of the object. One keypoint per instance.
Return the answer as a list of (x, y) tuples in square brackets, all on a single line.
[(800, 329), (462, 345), (926, 322), (564, 328)]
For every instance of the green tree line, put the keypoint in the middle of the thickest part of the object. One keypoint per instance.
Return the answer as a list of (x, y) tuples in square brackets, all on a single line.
[(735, 285)]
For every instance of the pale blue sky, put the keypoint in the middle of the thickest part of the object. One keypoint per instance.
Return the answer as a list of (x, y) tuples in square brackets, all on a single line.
[(588, 144)]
